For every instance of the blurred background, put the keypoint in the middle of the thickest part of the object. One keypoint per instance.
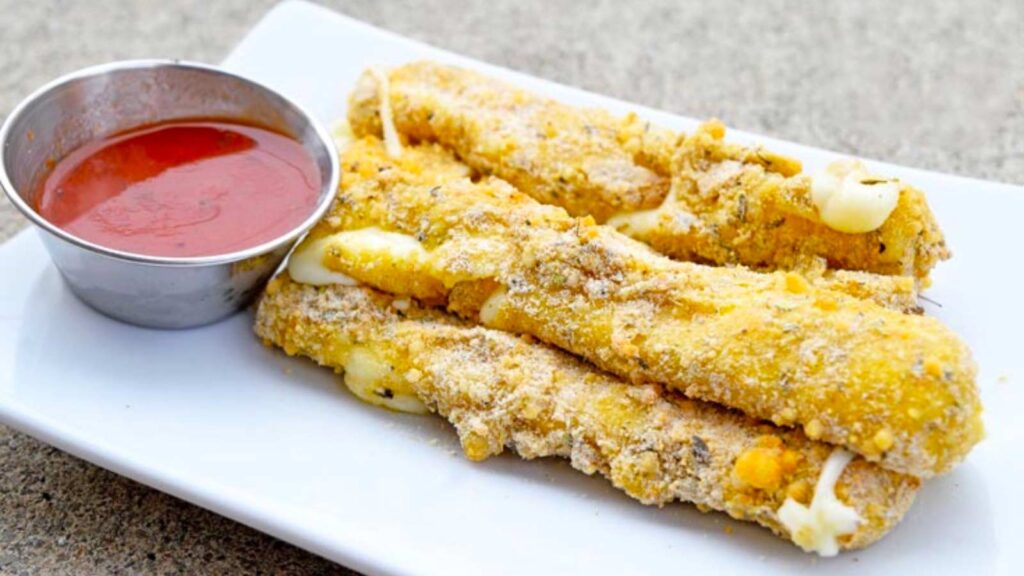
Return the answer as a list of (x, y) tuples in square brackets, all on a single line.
[(933, 84)]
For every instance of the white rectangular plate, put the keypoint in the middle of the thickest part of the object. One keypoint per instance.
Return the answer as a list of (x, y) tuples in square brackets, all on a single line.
[(213, 417)]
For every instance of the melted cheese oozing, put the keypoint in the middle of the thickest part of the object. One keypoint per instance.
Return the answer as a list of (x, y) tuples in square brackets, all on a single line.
[(490, 308), (306, 265), (373, 242), (669, 217), (370, 379), (850, 199), (815, 528), (392, 144)]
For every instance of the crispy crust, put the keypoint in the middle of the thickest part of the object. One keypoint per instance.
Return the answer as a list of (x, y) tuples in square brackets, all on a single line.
[(501, 392), (737, 205), (432, 164), (895, 388), (756, 210), (515, 136)]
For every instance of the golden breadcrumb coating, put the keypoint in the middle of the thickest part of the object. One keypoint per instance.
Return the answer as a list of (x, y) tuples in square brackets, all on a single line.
[(433, 164), (553, 152), (501, 391), (728, 204), (895, 388), (756, 209), (893, 292)]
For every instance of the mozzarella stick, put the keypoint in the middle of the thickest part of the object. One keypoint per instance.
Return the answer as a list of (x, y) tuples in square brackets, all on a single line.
[(895, 388), (433, 164), (692, 198), (501, 391)]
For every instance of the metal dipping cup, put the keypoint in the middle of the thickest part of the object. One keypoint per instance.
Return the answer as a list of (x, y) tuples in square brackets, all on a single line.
[(152, 291)]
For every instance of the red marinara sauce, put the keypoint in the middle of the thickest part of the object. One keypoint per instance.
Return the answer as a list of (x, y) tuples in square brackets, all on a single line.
[(182, 188)]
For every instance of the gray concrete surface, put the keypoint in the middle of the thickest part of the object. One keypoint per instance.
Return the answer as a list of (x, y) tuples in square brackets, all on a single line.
[(926, 83)]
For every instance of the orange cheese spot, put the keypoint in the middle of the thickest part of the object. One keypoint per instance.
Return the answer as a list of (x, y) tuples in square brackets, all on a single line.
[(796, 283), (760, 468)]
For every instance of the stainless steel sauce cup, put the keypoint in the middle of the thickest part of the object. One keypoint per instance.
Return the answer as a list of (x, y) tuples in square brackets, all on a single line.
[(152, 291)]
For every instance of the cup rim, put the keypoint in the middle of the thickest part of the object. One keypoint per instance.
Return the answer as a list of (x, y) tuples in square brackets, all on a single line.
[(328, 187)]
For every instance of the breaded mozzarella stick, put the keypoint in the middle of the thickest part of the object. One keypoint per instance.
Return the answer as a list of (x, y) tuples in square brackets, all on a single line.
[(894, 388), (501, 391), (432, 164), (696, 198)]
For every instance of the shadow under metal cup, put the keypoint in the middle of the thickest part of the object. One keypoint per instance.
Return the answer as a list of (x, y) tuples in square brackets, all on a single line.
[(153, 291)]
